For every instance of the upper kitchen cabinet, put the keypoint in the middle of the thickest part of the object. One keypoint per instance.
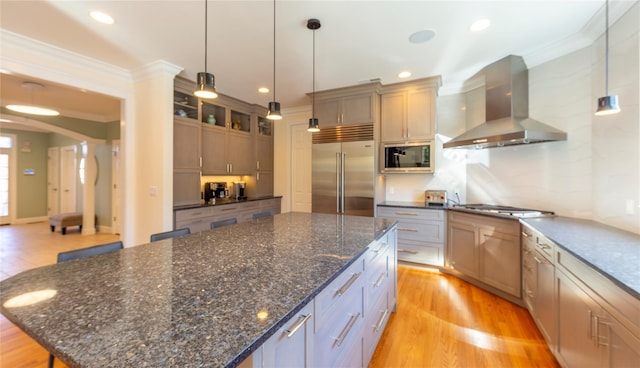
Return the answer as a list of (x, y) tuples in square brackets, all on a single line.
[(408, 110), (263, 163), (186, 144), (348, 105)]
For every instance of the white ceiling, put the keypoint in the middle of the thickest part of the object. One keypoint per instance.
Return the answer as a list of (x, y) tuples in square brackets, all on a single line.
[(358, 40)]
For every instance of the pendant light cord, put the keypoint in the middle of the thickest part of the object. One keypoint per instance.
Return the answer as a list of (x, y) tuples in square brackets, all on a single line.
[(313, 103), (206, 2), (606, 58), (274, 50)]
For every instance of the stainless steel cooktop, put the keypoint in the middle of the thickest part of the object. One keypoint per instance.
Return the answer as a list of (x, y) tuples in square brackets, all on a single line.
[(502, 210)]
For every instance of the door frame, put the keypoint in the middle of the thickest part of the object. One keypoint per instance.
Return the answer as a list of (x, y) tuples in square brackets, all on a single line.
[(13, 174)]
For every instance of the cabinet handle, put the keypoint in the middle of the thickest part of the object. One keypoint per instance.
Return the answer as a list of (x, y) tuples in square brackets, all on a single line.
[(529, 294), (257, 165), (590, 326), (345, 331), (379, 280), (301, 321), (381, 320), (381, 248), (407, 251), (348, 284), (196, 214), (407, 229), (525, 234), (544, 246), (407, 213), (258, 176)]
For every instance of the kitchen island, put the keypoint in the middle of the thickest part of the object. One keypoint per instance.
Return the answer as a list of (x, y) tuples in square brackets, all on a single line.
[(209, 299)]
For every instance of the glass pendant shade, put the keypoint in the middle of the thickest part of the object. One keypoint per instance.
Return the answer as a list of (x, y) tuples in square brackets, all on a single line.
[(314, 126), (608, 105), (274, 111), (206, 86)]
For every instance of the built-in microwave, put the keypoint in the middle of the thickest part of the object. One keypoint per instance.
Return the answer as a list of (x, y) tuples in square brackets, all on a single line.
[(412, 157)]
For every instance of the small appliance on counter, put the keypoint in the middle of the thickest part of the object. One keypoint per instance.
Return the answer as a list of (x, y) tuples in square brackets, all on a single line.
[(240, 190), (435, 198), (215, 190)]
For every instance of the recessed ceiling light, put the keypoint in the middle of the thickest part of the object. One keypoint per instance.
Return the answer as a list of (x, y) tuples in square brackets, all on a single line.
[(263, 90), (422, 36), (404, 74), (33, 110), (101, 17), (480, 25)]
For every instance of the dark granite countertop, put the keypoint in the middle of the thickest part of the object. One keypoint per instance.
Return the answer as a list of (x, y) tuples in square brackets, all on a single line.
[(612, 252), (191, 301), (221, 202), (410, 205)]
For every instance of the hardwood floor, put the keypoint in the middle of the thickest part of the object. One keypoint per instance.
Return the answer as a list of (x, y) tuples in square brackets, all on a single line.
[(441, 321), (23, 247)]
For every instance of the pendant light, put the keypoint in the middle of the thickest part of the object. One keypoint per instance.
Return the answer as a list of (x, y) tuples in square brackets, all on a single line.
[(205, 82), (274, 107), (607, 105), (314, 125), (33, 109)]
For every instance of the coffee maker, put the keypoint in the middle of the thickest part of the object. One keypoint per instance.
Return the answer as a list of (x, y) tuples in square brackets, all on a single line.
[(215, 190), (239, 190)]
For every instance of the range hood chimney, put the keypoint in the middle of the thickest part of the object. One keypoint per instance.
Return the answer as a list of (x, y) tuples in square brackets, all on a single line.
[(507, 110)]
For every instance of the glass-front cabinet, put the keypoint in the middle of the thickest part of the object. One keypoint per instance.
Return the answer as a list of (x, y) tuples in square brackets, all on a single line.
[(264, 126), (185, 105), (240, 121), (213, 114)]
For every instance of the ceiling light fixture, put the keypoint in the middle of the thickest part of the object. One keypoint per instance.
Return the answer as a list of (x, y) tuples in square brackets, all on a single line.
[(32, 109), (607, 105), (422, 36), (101, 17), (479, 25), (263, 90), (404, 74), (273, 112), (314, 125), (205, 82)]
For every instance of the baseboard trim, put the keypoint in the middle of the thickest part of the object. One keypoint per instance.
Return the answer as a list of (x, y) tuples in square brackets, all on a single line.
[(29, 220)]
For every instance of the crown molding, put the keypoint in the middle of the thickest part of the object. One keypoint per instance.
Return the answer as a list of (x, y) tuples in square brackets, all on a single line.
[(158, 67)]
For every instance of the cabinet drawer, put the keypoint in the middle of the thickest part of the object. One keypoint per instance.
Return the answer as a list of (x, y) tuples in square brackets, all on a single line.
[(377, 279), (195, 225), (226, 211), (247, 210), (340, 330), (422, 252), (430, 231), (511, 227), (413, 214), (334, 296), (194, 213), (374, 324)]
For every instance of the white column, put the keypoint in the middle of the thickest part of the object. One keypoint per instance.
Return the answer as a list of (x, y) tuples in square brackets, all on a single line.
[(89, 188)]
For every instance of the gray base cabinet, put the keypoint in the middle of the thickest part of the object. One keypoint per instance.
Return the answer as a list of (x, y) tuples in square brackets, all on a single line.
[(342, 325), (487, 249), (421, 233)]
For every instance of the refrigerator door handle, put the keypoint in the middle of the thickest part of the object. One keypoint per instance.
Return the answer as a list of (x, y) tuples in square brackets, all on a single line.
[(338, 181), (342, 182)]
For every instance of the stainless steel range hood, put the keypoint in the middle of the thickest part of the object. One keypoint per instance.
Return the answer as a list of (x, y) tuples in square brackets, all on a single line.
[(507, 110)]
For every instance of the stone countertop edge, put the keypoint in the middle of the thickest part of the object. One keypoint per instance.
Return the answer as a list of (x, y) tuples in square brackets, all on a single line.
[(223, 202), (414, 204), (199, 291), (612, 252)]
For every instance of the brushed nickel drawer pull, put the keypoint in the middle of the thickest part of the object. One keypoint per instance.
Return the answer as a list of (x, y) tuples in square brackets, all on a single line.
[(407, 251), (381, 248), (381, 320), (301, 321), (379, 280), (525, 234), (348, 284), (407, 213), (345, 331), (407, 229)]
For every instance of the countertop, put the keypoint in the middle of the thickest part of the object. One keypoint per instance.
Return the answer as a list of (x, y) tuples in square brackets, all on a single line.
[(191, 301), (612, 252), (221, 202)]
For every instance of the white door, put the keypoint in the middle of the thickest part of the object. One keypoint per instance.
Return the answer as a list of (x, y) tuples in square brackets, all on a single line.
[(300, 168), (53, 181), (6, 165), (68, 179), (115, 188)]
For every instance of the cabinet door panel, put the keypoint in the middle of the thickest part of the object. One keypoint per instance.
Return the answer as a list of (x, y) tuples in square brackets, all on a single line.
[(420, 114), (327, 112), (357, 109), (186, 144), (545, 303), (291, 349), (623, 347), (576, 313), (214, 147), (392, 117), (186, 187), (500, 261), (264, 154), (464, 254), (240, 154)]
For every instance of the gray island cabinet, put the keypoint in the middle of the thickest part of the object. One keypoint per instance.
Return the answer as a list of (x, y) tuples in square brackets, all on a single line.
[(295, 289)]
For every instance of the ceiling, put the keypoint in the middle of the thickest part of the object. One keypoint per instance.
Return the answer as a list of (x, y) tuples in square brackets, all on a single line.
[(358, 41)]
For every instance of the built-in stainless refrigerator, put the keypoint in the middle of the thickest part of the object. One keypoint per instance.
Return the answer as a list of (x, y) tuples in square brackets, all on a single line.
[(343, 171)]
